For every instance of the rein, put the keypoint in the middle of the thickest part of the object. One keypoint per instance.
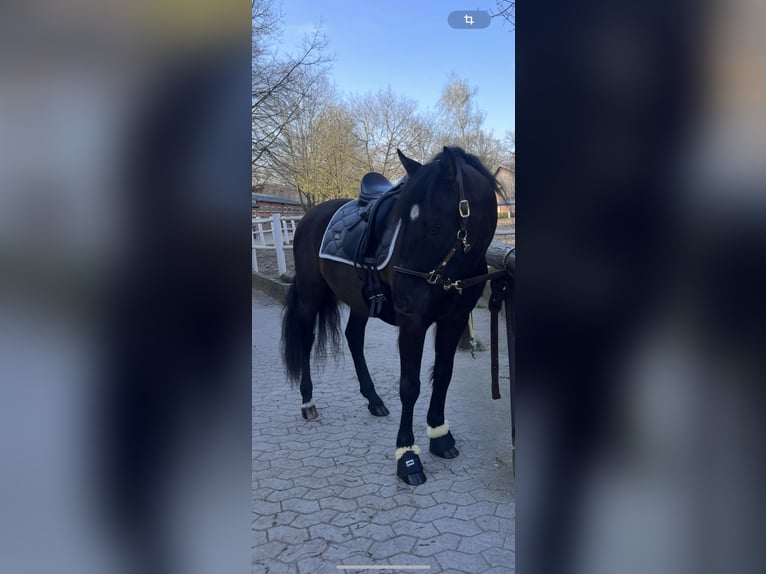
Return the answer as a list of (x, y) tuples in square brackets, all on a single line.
[(499, 287)]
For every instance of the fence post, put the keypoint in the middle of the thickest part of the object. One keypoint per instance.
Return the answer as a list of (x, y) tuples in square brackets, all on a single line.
[(261, 236), (276, 228), (252, 246)]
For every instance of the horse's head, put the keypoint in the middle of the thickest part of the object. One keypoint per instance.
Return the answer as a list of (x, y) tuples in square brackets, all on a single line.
[(448, 214)]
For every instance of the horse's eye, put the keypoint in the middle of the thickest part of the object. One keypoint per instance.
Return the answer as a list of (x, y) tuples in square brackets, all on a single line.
[(435, 229)]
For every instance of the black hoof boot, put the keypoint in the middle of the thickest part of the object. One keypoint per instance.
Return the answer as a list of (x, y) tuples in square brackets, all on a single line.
[(378, 410), (444, 446), (309, 413), (409, 469)]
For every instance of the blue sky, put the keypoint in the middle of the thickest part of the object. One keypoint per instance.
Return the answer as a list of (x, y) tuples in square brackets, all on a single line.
[(408, 45)]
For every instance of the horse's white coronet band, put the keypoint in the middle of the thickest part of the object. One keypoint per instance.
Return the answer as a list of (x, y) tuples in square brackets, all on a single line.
[(439, 431), (308, 405), (401, 450)]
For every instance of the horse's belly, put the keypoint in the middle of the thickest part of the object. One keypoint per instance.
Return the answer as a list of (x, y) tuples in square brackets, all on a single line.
[(345, 282)]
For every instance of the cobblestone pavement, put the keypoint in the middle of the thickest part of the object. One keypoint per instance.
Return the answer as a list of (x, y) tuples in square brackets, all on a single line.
[(325, 492)]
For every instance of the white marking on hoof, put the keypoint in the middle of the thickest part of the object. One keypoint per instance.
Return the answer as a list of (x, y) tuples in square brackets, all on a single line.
[(401, 450), (414, 212), (308, 405), (439, 431)]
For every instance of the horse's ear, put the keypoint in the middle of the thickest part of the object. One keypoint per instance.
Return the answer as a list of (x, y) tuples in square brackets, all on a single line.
[(447, 167), (410, 165)]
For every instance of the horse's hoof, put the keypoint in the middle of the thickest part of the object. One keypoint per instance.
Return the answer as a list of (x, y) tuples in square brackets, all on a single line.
[(410, 470), (378, 410), (449, 453), (444, 446), (309, 413)]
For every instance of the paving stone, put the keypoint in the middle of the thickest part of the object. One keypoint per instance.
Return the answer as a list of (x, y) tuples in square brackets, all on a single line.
[(457, 526), (316, 565), (280, 495), (269, 550), (457, 498), (308, 519), (258, 538), (343, 505), (363, 514), (499, 556), (288, 534), (461, 561), (435, 545), (475, 510), (311, 548), (416, 500), (494, 523), (403, 513), (342, 553), (358, 491), (300, 505), (373, 531), (417, 529), (330, 533), (506, 511), (324, 492), (271, 520), (481, 542), (501, 496), (274, 567), (434, 513), (261, 507), (391, 546)]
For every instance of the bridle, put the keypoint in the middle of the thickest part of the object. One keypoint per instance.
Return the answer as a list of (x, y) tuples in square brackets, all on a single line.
[(434, 277)]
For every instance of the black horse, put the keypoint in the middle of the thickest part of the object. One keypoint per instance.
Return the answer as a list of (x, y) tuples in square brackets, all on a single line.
[(447, 214)]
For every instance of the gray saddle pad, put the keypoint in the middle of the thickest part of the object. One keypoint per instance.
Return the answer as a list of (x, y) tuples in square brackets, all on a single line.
[(345, 231)]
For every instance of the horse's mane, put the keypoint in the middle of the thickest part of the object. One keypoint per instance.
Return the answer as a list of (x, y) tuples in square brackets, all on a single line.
[(419, 184)]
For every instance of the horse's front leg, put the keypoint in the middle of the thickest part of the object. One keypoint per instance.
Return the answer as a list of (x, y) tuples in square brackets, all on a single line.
[(447, 338), (411, 337)]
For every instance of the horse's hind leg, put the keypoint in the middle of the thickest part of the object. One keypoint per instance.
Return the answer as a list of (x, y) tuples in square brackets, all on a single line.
[(355, 337), (307, 318), (447, 337)]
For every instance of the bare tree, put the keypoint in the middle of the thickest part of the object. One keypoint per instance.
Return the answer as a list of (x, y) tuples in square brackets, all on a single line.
[(461, 121), (293, 155), (460, 116), (280, 83), (506, 10), (385, 122)]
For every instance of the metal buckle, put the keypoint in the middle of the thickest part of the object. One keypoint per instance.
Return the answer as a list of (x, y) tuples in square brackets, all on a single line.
[(456, 285), (464, 208), (433, 277), (462, 236)]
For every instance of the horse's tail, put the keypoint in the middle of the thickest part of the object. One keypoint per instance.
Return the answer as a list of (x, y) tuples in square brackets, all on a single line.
[(298, 332)]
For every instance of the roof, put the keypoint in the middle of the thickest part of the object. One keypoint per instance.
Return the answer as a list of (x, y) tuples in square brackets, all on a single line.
[(259, 197)]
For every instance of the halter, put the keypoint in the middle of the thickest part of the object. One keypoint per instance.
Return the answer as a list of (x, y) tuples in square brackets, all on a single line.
[(434, 277)]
